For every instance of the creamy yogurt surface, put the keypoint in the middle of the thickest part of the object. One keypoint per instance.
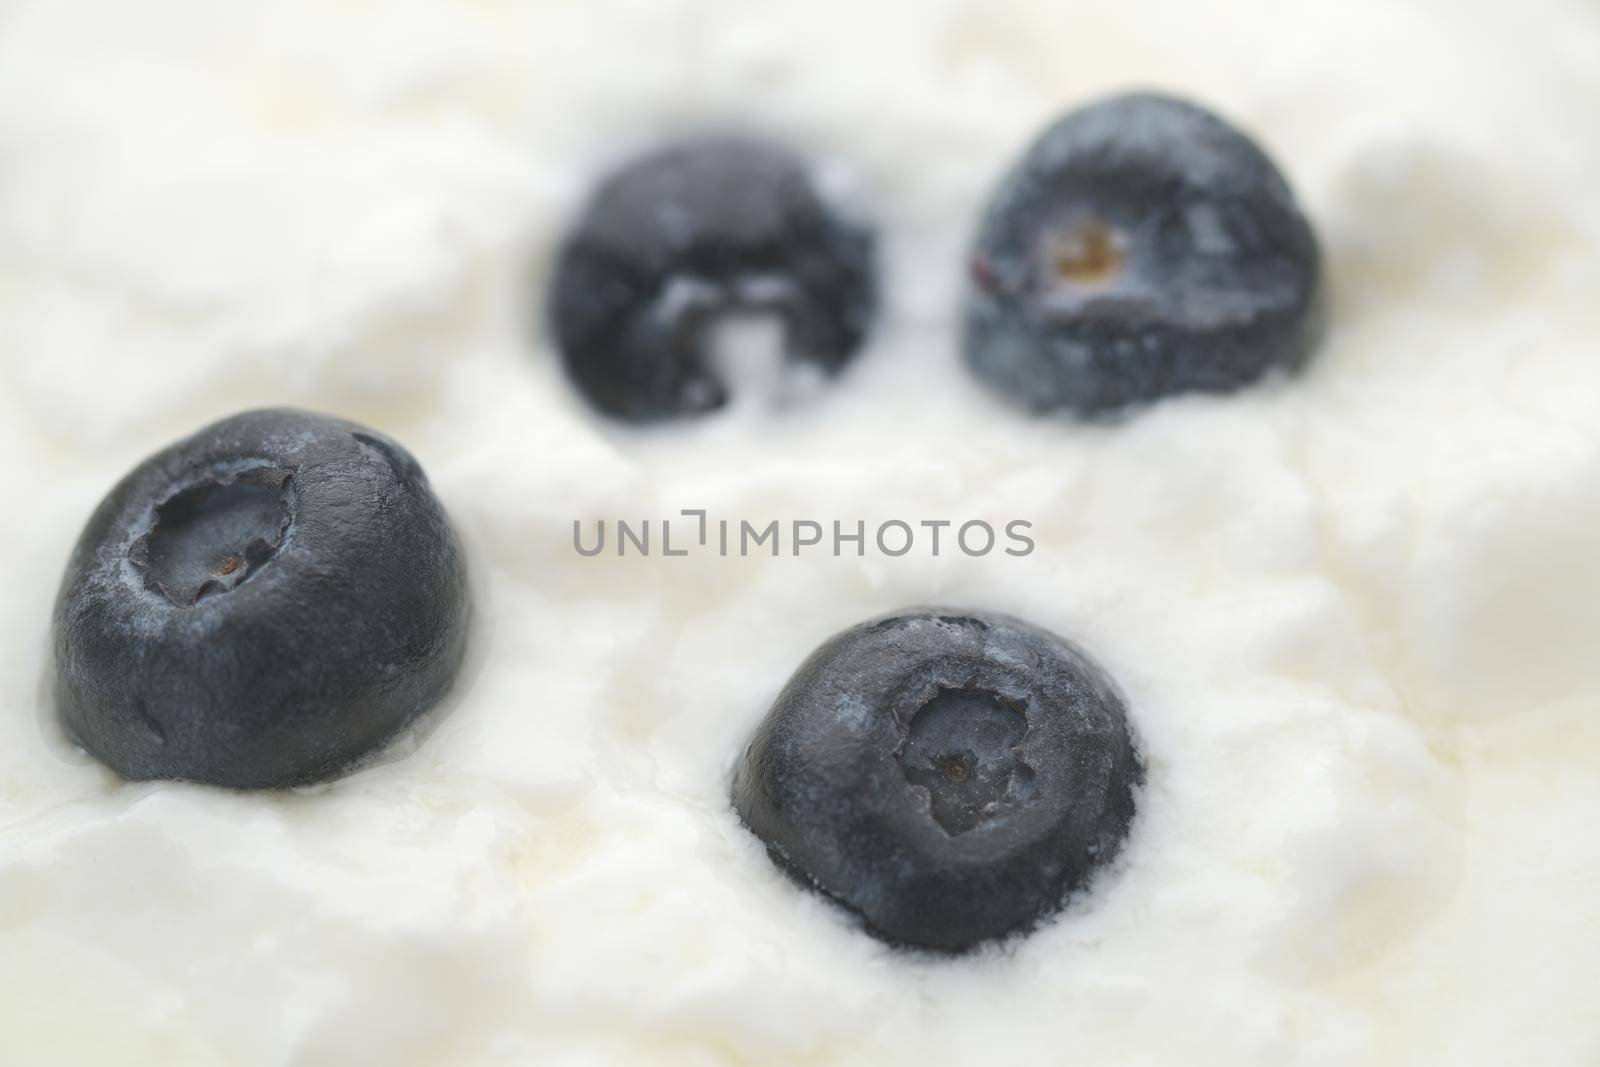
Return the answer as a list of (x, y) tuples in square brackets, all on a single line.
[(1356, 614)]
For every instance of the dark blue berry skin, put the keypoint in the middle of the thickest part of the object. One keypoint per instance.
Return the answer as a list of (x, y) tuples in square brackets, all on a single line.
[(684, 237), (260, 605), (1141, 248), (949, 777)]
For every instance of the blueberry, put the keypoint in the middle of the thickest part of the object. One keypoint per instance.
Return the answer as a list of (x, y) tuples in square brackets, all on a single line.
[(1141, 248), (259, 605), (949, 777), (685, 239)]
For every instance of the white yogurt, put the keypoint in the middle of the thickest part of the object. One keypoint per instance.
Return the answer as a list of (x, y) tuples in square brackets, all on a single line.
[(1356, 614)]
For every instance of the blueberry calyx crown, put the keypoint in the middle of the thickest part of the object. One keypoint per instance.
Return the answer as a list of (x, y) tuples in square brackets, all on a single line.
[(212, 535), (963, 747)]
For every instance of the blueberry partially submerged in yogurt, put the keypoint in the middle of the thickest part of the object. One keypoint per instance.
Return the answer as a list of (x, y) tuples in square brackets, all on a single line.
[(259, 605), (685, 241), (1141, 248), (949, 777)]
